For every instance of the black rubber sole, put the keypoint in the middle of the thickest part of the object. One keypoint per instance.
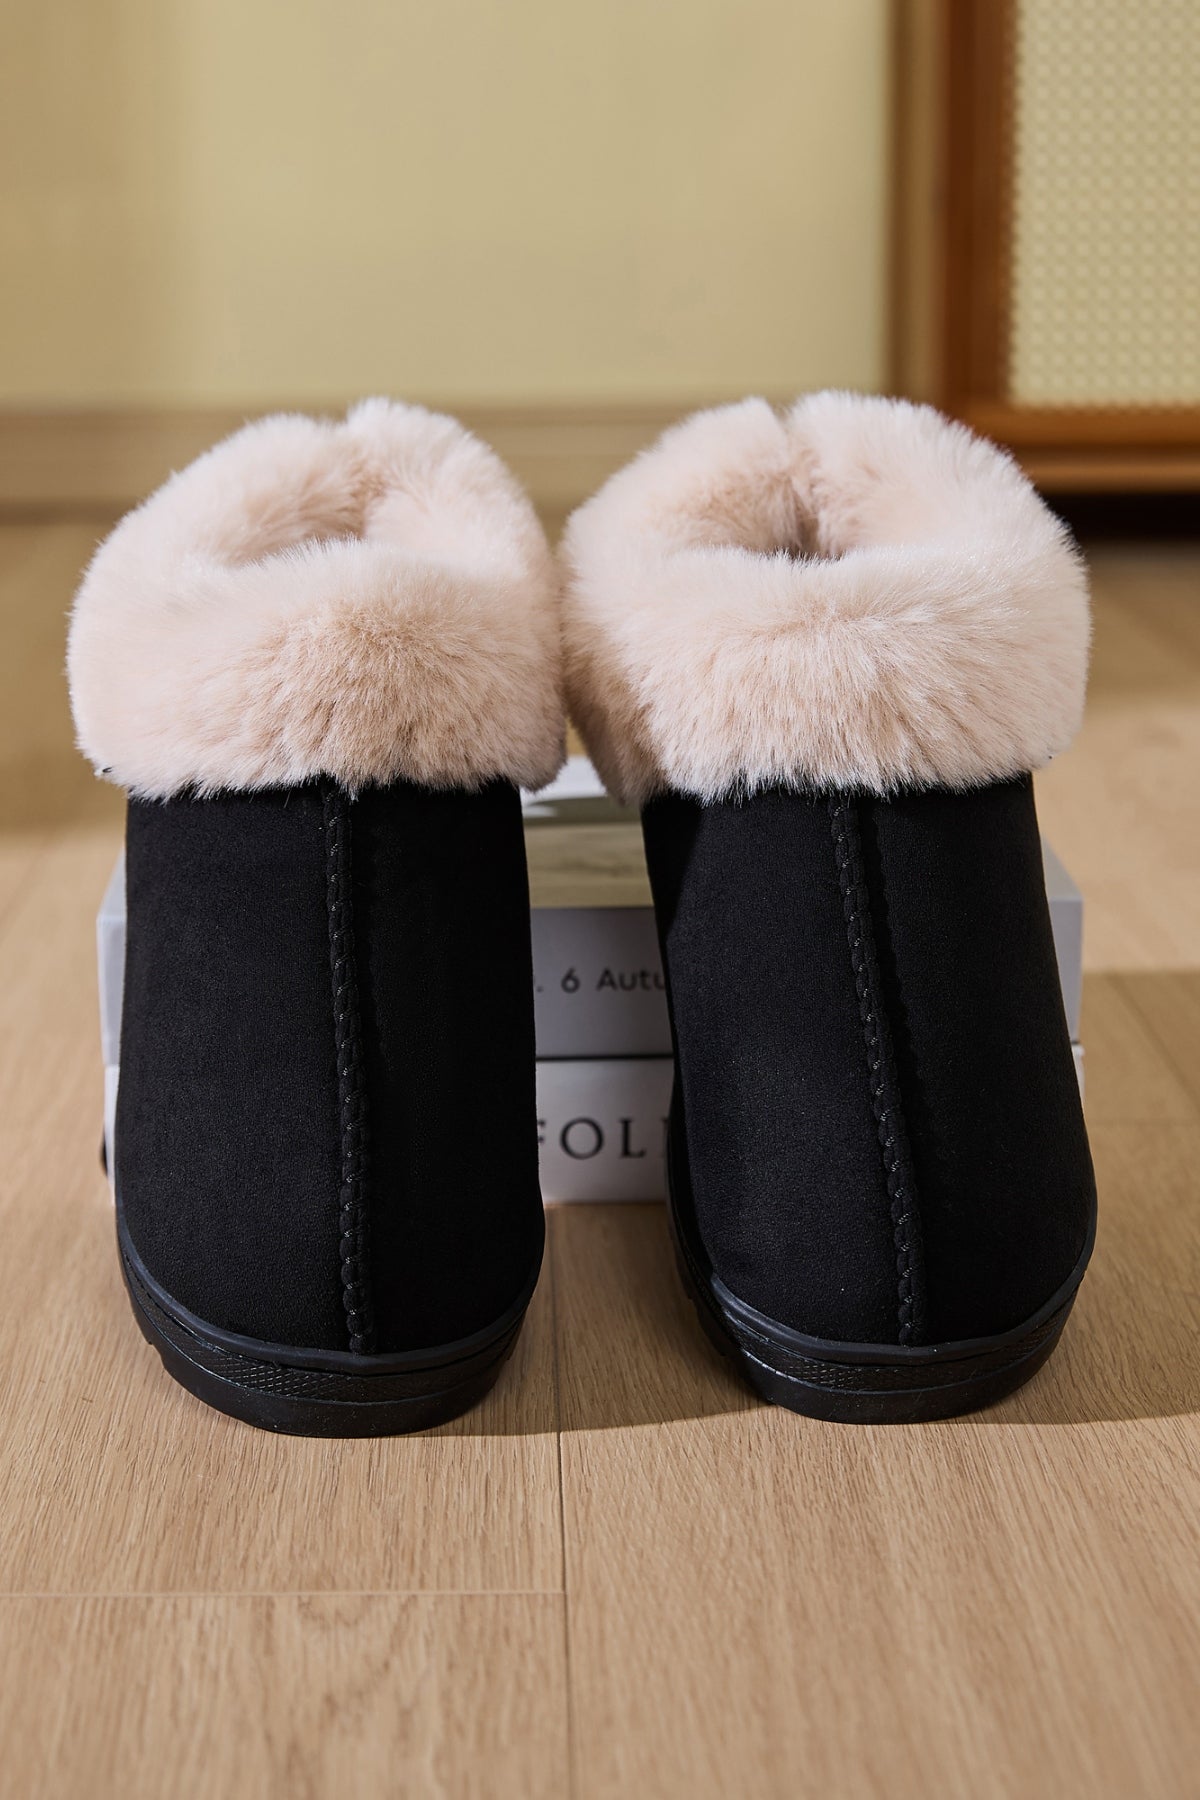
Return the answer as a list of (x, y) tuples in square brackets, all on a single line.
[(315, 1393), (870, 1384)]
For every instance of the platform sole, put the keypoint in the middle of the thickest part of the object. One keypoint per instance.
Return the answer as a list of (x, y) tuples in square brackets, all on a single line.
[(870, 1384), (315, 1393)]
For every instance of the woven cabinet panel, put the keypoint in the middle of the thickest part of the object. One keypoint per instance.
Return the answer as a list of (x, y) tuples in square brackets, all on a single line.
[(1105, 286)]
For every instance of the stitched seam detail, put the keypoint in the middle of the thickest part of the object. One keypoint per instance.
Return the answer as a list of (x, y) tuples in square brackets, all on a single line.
[(351, 1072), (881, 1072)]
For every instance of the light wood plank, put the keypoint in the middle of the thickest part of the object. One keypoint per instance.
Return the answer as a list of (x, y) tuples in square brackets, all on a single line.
[(1129, 1075), (283, 1697), (43, 779), (1122, 808), (1168, 1004), (19, 853), (1001, 1605)]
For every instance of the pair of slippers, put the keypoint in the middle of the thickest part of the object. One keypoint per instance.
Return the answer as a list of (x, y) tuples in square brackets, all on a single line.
[(822, 652)]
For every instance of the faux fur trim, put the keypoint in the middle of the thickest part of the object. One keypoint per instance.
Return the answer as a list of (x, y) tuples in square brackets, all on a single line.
[(859, 594), (369, 600)]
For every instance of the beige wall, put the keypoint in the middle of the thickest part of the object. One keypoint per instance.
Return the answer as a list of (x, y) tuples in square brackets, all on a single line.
[(210, 201)]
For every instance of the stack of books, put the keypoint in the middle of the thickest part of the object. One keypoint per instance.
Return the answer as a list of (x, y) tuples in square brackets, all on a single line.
[(604, 1041), (603, 1037)]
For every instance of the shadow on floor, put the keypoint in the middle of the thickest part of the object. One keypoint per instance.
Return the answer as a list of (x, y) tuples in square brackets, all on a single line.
[(1129, 1352), (630, 1349), (631, 1352), (612, 1340), (611, 1332)]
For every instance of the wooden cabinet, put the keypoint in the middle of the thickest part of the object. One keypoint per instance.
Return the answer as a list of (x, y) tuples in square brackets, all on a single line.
[(1046, 231)]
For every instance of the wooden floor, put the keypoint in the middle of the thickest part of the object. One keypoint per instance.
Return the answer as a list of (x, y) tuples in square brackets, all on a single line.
[(621, 1576)]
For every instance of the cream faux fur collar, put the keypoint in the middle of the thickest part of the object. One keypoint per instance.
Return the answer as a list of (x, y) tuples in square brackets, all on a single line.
[(859, 594), (366, 600)]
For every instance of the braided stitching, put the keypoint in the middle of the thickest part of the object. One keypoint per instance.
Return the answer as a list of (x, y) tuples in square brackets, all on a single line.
[(881, 1072), (352, 1098)]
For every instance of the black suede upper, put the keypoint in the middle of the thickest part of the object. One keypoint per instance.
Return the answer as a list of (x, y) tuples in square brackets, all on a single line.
[(777, 1146), (228, 1138)]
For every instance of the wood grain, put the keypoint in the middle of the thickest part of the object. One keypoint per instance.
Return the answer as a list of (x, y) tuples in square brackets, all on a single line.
[(994, 1606), (282, 1697), (621, 1576), (1127, 1076)]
